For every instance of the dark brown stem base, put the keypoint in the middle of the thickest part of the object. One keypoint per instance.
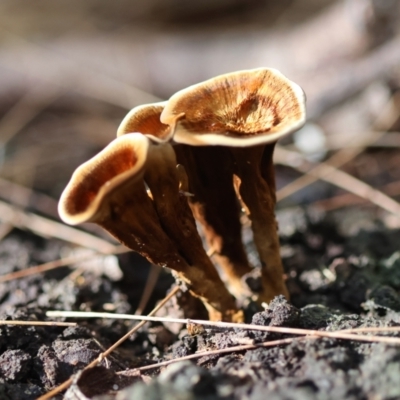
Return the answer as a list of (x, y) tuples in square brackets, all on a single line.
[(215, 206), (255, 185)]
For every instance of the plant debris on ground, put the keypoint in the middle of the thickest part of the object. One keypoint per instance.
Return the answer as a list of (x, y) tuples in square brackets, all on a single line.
[(342, 283)]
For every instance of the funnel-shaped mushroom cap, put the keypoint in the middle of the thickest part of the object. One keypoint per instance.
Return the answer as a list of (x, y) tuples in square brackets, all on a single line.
[(146, 119), (243, 108), (122, 161)]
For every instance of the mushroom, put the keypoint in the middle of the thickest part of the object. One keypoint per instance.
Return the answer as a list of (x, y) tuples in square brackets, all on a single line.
[(146, 120), (213, 201), (215, 206), (110, 190), (247, 112)]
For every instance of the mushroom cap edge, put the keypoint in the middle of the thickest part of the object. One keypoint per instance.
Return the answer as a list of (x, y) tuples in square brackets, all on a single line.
[(90, 167), (182, 135)]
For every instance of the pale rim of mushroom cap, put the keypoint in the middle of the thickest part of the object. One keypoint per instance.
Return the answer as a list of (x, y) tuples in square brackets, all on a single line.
[(181, 126), (139, 116), (121, 161)]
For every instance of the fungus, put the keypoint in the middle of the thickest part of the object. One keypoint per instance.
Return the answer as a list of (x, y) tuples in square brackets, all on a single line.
[(213, 201), (215, 206), (110, 190), (146, 120), (247, 112)]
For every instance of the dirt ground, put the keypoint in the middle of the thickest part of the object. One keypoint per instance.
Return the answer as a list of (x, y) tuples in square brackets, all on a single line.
[(336, 282)]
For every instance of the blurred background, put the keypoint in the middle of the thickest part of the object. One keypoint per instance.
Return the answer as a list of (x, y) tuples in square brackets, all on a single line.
[(70, 70)]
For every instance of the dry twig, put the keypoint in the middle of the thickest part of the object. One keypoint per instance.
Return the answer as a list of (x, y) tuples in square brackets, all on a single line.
[(38, 323), (48, 228), (219, 324), (316, 171), (373, 329), (148, 289), (249, 347), (215, 352), (346, 199), (332, 175), (5, 229), (56, 264), (25, 197), (25, 110)]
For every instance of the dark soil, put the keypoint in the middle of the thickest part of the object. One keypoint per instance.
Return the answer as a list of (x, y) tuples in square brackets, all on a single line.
[(343, 272)]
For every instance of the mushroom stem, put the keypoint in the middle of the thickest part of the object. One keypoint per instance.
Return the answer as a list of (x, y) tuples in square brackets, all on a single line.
[(255, 186), (215, 206), (134, 229), (133, 220), (177, 221)]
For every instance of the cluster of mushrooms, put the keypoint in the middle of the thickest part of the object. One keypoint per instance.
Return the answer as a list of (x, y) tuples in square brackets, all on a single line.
[(203, 155)]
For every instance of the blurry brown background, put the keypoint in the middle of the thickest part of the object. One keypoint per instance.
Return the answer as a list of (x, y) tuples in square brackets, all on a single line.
[(70, 70)]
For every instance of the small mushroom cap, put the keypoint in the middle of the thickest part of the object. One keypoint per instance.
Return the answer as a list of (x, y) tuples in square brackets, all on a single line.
[(85, 197), (241, 109), (146, 119)]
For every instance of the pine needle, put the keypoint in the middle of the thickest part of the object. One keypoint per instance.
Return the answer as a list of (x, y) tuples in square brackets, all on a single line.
[(212, 353), (38, 323), (48, 228), (219, 324)]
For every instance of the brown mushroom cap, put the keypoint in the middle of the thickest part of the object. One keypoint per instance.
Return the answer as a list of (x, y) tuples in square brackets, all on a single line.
[(82, 201), (240, 109), (146, 119)]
